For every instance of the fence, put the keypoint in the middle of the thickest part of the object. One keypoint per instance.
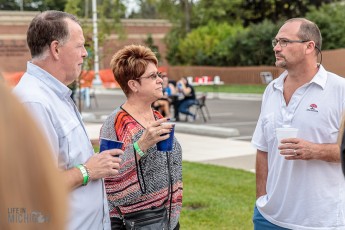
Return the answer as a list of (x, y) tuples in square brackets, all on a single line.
[(229, 75), (332, 61)]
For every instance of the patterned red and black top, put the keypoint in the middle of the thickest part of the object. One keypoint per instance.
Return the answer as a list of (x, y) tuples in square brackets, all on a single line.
[(135, 189)]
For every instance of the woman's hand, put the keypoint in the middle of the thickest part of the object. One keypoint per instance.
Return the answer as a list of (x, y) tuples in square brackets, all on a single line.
[(155, 133)]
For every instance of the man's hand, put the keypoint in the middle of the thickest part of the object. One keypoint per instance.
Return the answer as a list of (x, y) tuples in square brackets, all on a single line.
[(104, 164), (299, 149)]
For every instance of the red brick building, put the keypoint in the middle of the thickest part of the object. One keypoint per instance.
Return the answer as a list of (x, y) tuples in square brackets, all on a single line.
[(14, 52)]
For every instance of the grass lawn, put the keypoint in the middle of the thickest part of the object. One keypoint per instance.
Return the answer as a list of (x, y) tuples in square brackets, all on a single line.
[(258, 89), (217, 197)]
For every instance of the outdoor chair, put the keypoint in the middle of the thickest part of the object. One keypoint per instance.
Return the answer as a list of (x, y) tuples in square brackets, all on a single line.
[(200, 104)]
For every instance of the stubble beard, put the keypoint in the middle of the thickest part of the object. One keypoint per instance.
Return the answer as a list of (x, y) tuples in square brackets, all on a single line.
[(281, 64)]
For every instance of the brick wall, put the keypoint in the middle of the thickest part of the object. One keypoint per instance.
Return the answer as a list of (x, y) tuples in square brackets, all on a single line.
[(14, 52)]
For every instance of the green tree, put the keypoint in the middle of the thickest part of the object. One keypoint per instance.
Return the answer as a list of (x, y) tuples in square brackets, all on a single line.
[(201, 45), (253, 46), (256, 11), (73, 7), (148, 9), (150, 43), (52, 4), (179, 12), (330, 20), (9, 5), (32, 5), (109, 14), (218, 10), (172, 41)]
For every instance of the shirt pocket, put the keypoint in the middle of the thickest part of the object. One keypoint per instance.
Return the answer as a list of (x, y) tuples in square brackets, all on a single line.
[(268, 127), (74, 145)]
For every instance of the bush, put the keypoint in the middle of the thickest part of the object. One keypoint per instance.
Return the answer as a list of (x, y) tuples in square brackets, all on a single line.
[(201, 45), (330, 20), (254, 46)]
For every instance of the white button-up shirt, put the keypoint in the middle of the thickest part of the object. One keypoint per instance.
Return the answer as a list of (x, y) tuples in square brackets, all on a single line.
[(50, 103)]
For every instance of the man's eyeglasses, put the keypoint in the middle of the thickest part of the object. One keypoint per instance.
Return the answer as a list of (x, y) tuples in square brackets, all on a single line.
[(283, 42), (153, 76)]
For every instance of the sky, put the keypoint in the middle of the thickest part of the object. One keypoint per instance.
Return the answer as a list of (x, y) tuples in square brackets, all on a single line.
[(131, 5)]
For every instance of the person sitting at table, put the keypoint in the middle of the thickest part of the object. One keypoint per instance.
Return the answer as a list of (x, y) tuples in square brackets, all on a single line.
[(163, 104), (188, 93)]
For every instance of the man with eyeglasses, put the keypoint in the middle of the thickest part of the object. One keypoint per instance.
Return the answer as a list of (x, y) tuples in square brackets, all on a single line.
[(299, 183)]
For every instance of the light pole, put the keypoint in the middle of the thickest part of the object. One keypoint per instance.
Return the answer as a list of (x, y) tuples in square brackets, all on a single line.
[(21, 2), (96, 80)]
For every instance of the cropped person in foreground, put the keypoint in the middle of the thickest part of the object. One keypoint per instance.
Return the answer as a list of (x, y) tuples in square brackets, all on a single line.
[(33, 194)]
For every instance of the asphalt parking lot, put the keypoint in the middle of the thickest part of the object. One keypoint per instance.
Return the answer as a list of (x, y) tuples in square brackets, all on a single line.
[(237, 111)]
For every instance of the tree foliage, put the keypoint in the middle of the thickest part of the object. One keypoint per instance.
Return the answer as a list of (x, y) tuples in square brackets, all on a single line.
[(201, 45), (32, 5), (179, 12), (172, 41), (149, 42), (330, 20), (109, 21), (219, 11), (256, 11), (252, 45), (9, 5), (207, 32)]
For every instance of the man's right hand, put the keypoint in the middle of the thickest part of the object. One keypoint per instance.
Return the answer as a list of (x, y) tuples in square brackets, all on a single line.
[(104, 164)]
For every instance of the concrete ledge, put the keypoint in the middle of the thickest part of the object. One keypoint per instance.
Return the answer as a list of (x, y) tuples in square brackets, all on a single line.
[(204, 130), (88, 117), (195, 129)]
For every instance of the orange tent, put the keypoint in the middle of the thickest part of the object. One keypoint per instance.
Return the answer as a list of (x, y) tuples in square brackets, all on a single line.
[(86, 78), (12, 78), (162, 69), (108, 79)]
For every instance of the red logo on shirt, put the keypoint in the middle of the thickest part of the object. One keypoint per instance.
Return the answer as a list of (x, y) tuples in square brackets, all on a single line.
[(312, 108)]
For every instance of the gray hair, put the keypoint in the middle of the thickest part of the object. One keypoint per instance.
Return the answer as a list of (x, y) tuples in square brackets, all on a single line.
[(45, 28)]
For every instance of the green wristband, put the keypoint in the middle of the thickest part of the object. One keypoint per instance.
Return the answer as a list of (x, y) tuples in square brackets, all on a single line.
[(138, 150), (84, 173)]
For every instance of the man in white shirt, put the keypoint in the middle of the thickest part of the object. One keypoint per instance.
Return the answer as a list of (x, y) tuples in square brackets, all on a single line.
[(299, 183), (56, 44)]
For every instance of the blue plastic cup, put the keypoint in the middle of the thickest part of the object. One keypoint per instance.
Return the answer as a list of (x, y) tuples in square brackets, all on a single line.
[(167, 145), (106, 144)]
